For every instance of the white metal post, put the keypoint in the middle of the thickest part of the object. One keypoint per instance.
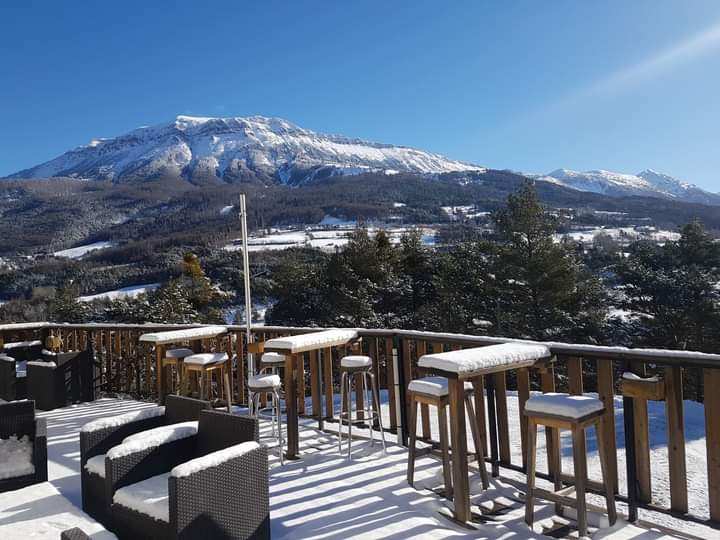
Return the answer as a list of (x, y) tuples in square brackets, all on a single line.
[(246, 276)]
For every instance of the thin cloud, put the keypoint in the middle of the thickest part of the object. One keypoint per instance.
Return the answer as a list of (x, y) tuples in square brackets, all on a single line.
[(629, 77)]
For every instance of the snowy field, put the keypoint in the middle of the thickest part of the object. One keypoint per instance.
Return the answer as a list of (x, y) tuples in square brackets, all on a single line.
[(125, 292), (325, 495), (81, 251)]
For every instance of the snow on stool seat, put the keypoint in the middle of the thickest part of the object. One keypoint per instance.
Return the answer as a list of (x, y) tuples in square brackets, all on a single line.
[(264, 381), (206, 359), (356, 361), (272, 358), (433, 386), (181, 352), (563, 406), (149, 497)]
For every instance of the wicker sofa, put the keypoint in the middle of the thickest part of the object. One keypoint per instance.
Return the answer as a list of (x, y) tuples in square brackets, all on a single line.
[(12, 378), (99, 436), (213, 484), (17, 420), (57, 379)]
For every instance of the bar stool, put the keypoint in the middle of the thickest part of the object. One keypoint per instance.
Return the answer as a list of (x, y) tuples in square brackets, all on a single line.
[(349, 366), (174, 360), (576, 413), (204, 364), (267, 384), (434, 391)]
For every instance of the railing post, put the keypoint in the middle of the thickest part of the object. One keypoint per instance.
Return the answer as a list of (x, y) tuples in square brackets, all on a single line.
[(401, 388)]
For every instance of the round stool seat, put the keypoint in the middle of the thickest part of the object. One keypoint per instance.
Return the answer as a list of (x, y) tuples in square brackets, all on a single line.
[(563, 406), (434, 386), (272, 359), (206, 359), (261, 382), (356, 361), (178, 353)]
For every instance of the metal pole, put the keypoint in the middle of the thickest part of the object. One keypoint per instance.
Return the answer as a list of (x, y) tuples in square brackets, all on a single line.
[(246, 278)]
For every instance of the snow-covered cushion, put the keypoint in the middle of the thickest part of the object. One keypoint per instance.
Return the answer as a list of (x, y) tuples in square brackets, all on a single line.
[(311, 341), (563, 405), (149, 497), (40, 363), (96, 465), (122, 419), (272, 358), (16, 457), (213, 459), (153, 433), (21, 344), (355, 361), (204, 359), (264, 381), (434, 386), (463, 362), (181, 352), (152, 438), (175, 336), (21, 368)]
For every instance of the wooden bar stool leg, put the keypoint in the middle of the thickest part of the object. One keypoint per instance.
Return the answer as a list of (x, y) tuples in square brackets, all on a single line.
[(411, 443), (445, 448), (605, 458), (228, 394), (531, 461), (580, 466), (479, 445)]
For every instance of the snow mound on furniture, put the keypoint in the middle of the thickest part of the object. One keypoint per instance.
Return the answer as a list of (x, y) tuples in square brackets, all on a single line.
[(469, 360), (313, 340), (16, 457), (213, 459), (151, 439), (122, 419), (563, 405), (149, 497), (152, 434), (96, 465)]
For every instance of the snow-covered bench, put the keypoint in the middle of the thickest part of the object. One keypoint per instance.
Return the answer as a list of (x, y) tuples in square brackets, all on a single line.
[(213, 484)]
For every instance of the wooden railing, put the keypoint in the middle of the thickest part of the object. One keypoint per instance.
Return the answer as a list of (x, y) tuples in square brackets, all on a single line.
[(128, 366)]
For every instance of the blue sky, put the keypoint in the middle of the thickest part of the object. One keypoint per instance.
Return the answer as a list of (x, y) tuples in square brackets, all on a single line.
[(527, 85)]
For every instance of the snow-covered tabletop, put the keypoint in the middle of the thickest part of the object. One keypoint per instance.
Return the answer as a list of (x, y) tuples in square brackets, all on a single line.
[(176, 336), (479, 360), (311, 341)]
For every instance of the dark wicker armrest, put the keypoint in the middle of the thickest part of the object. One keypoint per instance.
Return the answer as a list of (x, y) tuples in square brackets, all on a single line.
[(228, 499), (40, 450), (132, 462), (99, 441), (7, 377)]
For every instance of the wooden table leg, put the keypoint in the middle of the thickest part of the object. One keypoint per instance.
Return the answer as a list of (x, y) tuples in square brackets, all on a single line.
[(291, 406), (458, 437)]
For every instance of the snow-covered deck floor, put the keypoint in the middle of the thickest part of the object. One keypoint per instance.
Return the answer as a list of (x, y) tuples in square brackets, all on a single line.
[(323, 495)]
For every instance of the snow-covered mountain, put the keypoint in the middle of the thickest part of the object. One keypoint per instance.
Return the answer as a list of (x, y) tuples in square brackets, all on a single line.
[(269, 149), (647, 183)]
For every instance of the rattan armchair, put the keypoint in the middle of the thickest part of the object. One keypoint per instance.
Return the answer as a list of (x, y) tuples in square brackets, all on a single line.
[(57, 379), (210, 485), (99, 436), (18, 419), (12, 379)]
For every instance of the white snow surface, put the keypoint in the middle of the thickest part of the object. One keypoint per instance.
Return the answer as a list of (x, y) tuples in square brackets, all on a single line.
[(564, 405), (149, 497), (16, 457), (213, 459), (222, 146), (96, 465), (125, 292), (313, 340), (160, 431), (122, 419), (20, 344), (80, 251), (152, 438), (466, 361), (176, 336)]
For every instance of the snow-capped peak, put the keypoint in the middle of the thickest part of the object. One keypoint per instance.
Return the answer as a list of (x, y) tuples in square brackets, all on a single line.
[(266, 148)]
